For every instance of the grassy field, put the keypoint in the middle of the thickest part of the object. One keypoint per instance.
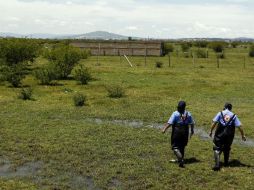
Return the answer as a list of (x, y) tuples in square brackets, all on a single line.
[(48, 143)]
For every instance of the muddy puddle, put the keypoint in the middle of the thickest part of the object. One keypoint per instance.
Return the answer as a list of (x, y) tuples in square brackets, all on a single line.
[(201, 132), (28, 169)]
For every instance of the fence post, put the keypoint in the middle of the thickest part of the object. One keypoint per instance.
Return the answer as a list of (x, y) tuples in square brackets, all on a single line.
[(169, 60), (244, 62)]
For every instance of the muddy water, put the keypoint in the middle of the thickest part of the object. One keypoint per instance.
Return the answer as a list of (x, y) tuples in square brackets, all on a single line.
[(26, 170), (201, 132)]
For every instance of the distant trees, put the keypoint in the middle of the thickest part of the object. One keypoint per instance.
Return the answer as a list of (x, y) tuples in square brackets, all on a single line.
[(186, 46), (14, 58), (218, 47), (201, 44)]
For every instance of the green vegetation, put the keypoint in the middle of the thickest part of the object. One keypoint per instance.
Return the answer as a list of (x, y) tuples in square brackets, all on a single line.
[(200, 53), (50, 143), (14, 58), (79, 100), (64, 58), (115, 91), (82, 74), (26, 93), (251, 53)]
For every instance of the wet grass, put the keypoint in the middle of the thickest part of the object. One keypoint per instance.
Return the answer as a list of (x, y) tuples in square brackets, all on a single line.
[(77, 154)]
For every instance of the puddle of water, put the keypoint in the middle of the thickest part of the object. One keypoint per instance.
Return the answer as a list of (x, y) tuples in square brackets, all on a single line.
[(79, 182), (138, 124), (114, 183), (26, 170)]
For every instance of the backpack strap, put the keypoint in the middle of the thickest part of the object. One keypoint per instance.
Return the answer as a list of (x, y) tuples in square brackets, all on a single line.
[(184, 118), (227, 123)]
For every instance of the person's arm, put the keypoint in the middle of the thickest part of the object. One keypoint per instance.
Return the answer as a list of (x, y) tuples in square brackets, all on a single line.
[(242, 133), (166, 126), (214, 124), (192, 130)]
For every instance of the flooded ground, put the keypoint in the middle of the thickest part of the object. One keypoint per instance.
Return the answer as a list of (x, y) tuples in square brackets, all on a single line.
[(201, 132)]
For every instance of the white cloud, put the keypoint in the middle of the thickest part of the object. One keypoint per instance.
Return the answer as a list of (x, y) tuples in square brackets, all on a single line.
[(138, 18), (131, 28)]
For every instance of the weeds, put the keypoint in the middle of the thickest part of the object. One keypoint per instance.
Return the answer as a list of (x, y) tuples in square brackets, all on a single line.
[(26, 94), (79, 100)]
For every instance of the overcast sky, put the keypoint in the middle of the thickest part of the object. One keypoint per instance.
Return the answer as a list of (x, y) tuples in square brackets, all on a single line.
[(141, 18)]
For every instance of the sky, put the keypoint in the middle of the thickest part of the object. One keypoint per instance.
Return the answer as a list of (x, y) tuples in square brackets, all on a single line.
[(140, 18)]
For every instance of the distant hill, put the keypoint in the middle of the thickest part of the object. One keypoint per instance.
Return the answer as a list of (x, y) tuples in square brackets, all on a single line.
[(102, 35)]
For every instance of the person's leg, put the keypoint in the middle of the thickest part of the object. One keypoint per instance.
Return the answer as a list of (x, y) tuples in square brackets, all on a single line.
[(182, 151), (226, 153), (217, 153), (179, 156)]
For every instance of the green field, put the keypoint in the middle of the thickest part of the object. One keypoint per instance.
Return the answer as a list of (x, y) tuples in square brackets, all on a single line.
[(48, 143)]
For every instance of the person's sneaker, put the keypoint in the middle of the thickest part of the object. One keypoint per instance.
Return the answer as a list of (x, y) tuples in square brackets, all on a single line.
[(181, 164)]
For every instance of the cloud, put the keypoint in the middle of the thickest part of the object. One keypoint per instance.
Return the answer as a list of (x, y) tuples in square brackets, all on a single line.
[(131, 28), (161, 18)]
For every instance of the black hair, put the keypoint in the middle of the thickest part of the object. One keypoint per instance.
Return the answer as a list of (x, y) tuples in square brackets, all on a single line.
[(181, 107), (228, 106)]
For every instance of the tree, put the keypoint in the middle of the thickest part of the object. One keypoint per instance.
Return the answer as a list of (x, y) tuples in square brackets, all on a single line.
[(64, 58), (168, 48), (218, 47), (201, 44), (15, 56)]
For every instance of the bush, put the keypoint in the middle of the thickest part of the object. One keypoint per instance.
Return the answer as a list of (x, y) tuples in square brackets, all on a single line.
[(251, 52), (64, 58), (168, 48), (79, 100), (14, 57), (186, 46), (26, 94), (14, 74), (116, 91), (82, 74), (218, 47), (201, 53), (45, 75), (158, 64)]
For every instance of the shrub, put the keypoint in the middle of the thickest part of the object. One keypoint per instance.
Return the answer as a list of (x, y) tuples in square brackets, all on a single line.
[(201, 53), (79, 99), (158, 64), (64, 58), (26, 94), (218, 47), (185, 46), (14, 57), (82, 74), (168, 48), (45, 75), (14, 74), (116, 91), (234, 44), (251, 52)]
